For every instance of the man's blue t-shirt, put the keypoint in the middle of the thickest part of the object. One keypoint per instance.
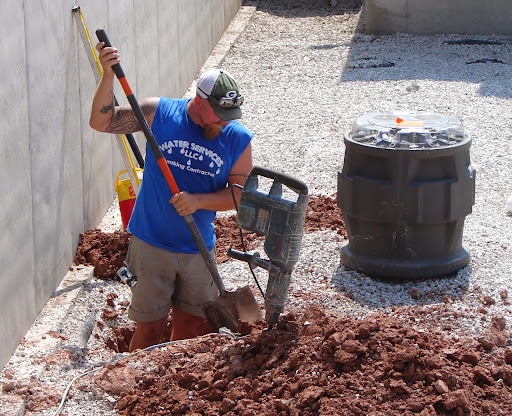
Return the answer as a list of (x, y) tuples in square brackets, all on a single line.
[(198, 165)]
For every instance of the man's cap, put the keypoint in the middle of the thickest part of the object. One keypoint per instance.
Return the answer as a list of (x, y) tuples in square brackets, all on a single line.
[(221, 90)]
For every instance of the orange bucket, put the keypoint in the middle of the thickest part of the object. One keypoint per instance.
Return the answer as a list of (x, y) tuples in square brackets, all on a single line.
[(126, 196)]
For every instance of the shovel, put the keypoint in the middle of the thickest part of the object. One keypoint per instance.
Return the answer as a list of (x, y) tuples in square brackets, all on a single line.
[(231, 305)]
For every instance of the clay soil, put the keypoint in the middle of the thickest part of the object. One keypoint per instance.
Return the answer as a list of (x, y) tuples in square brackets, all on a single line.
[(320, 365), (312, 362)]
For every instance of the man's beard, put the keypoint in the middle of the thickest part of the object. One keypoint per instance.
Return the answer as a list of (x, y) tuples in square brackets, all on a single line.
[(211, 131)]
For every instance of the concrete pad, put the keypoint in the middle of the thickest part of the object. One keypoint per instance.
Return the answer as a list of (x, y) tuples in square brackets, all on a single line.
[(420, 17)]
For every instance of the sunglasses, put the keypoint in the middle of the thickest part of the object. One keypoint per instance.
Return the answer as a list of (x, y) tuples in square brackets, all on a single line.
[(232, 99)]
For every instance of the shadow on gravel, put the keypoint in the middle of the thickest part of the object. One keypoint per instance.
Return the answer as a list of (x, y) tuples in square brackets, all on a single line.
[(478, 60), (379, 293), (309, 8), (483, 60)]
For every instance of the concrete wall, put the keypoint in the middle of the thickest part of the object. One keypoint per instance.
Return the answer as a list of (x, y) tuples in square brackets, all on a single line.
[(428, 17), (57, 174)]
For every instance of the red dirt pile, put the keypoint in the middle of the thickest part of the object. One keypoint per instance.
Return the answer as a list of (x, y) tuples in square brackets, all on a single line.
[(401, 361), (107, 251), (322, 365), (311, 363)]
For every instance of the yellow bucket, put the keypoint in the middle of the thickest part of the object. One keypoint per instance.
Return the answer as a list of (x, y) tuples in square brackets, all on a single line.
[(126, 195)]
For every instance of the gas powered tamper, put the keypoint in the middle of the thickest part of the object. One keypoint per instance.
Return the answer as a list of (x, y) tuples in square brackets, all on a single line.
[(281, 220)]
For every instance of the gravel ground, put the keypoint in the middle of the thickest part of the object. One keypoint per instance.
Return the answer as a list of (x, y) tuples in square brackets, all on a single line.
[(307, 73), (308, 76)]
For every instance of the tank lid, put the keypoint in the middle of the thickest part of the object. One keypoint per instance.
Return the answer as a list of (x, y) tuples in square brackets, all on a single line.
[(403, 129)]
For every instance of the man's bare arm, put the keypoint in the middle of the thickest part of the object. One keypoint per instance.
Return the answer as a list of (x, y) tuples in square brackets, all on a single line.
[(120, 119), (222, 200), (123, 120), (105, 115)]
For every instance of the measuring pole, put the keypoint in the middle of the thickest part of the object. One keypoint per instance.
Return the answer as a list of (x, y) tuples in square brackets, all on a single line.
[(98, 72)]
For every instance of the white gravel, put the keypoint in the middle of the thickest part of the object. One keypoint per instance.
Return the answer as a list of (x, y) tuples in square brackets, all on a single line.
[(307, 76)]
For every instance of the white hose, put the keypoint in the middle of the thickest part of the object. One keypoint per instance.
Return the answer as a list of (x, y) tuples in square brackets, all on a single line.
[(222, 331)]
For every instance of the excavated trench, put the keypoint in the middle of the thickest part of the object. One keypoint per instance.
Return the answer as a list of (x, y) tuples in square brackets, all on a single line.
[(107, 251)]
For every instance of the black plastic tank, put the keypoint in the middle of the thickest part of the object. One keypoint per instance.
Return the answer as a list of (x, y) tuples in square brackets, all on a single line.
[(405, 189)]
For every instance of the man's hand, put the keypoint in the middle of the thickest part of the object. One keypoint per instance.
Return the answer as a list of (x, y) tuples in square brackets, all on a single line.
[(108, 57), (222, 200), (186, 203)]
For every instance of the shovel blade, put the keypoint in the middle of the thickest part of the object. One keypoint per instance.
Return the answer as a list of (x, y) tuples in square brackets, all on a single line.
[(243, 304), (219, 316), (231, 307)]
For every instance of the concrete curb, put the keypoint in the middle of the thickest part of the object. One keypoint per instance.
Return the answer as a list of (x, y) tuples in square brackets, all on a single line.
[(228, 38)]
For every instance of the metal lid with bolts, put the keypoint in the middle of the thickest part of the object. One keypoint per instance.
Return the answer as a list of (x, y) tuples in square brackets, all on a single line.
[(412, 130)]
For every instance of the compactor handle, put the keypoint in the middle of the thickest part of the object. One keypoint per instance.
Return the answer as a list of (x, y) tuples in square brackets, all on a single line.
[(252, 259)]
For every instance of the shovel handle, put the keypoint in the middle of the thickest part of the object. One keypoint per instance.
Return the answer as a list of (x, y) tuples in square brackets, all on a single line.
[(153, 144), (207, 257)]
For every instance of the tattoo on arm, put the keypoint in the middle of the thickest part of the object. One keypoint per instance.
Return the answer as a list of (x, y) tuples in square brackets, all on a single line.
[(106, 108), (239, 174), (124, 121), (110, 107)]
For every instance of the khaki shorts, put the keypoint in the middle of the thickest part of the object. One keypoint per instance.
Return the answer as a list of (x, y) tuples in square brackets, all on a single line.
[(165, 278)]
